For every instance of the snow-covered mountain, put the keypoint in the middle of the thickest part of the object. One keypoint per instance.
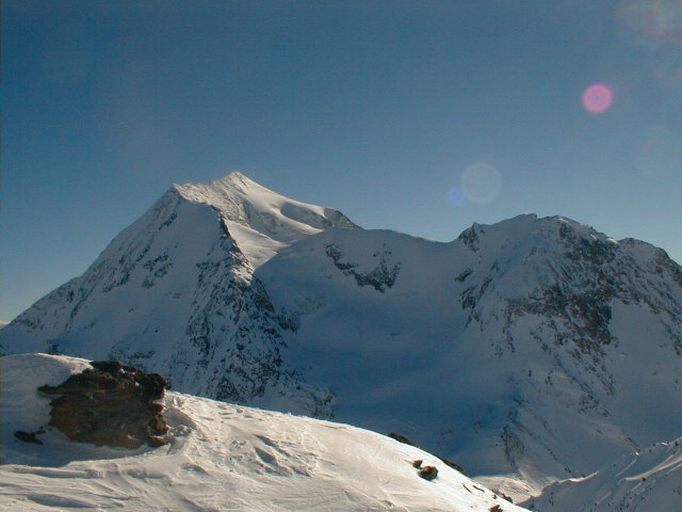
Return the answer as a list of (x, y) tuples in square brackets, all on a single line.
[(650, 480), (528, 351), (175, 293), (219, 457)]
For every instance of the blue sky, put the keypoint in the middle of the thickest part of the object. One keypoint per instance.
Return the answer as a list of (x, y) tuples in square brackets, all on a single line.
[(419, 116)]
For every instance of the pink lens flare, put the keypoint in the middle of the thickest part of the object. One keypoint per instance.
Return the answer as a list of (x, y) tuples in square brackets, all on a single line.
[(597, 98)]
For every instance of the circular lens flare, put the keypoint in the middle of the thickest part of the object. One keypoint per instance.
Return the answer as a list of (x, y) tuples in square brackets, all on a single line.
[(597, 98), (481, 183)]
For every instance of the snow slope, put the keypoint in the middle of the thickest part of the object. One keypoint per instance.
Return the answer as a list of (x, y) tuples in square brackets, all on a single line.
[(528, 351), (650, 480), (220, 457), (259, 220)]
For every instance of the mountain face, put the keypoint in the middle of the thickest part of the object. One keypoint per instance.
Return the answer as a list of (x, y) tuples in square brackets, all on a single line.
[(175, 293), (528, 351)]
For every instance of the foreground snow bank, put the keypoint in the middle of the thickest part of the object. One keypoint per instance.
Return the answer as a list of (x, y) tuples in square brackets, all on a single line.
[(220, 457)]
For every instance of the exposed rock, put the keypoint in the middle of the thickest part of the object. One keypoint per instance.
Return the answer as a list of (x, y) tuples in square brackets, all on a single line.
[(379, 278), (428, 472), (470, 237), (27, 437), (452, 464), (406, 440), (417, 464), (401, 438), (110, 404), (495, 508)]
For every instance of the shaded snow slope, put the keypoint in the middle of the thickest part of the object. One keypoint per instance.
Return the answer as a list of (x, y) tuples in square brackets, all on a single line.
[(650, 480), (528, 351), (220, 457)]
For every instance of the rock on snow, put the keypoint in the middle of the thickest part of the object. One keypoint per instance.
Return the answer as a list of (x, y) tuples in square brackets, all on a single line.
[(219, 457)]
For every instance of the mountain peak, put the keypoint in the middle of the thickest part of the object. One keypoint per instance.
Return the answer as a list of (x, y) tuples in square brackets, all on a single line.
[(238, 180), (260, 220), (234, 182)]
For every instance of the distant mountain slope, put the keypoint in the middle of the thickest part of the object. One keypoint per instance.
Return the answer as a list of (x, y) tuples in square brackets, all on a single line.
[(647, 480), (535, 346), (220, 457), (528, 351)]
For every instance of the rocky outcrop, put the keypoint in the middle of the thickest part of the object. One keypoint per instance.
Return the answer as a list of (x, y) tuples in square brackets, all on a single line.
[(379, 278), (110, 404), (428, 472)]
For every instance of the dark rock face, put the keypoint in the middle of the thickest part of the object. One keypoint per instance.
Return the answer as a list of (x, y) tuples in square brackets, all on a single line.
[(401, 438), (110, 404), (428, 472), (380, 277), (452, 464), (28, 437)]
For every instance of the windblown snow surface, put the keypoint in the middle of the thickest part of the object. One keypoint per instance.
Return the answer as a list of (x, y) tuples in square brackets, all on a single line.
[(219, 457)]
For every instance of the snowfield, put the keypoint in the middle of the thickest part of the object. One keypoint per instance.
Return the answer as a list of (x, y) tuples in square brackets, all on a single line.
[(220, 457)]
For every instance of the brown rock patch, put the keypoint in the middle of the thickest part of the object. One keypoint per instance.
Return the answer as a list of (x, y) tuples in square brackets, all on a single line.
[(428, 472), (110, 404)]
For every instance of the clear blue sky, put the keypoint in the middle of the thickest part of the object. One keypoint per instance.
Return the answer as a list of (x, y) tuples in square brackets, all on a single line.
[(419, 116)]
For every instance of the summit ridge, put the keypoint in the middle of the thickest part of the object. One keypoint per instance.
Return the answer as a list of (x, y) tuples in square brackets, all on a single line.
[(261, 221)]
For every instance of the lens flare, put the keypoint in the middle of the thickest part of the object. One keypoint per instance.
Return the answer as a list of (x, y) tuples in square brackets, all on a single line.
[(481, 183), (597, 98)]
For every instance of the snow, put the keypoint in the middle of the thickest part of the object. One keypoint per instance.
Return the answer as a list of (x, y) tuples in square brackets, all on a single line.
[(219, 457), (529, 351), (406, 360), (261, 221), (646, 480)]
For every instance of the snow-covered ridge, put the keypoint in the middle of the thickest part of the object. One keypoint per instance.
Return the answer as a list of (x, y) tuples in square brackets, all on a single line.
[(261, 221), (219, 457)]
